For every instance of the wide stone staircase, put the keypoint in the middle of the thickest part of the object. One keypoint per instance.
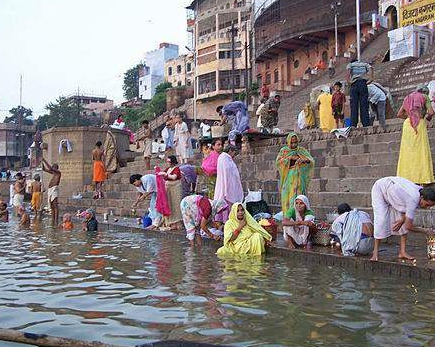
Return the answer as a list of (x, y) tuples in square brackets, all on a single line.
[(373, 52), (345, 169)]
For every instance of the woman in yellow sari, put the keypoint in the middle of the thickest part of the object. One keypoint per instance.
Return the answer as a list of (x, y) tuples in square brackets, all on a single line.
[(324, 103), (242, 234), (415, 159)]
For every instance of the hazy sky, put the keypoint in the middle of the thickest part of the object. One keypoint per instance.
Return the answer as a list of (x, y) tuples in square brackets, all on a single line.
[(60, 45)]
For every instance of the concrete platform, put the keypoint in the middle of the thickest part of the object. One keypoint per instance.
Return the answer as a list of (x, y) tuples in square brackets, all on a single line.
[(388, 265)]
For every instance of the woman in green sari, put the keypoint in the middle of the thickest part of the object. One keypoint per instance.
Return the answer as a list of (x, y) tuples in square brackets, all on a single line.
[(295, 165)]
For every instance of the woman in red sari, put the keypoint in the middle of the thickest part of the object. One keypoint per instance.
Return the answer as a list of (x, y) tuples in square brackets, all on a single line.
[(174, 193)]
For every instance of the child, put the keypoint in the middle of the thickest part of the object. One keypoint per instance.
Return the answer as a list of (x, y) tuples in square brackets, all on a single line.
[(36, 190), (67, 224), (24, 217), (338, 101), (4, 214)]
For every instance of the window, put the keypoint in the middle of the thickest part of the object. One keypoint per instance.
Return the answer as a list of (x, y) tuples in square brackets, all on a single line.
[(268, 78), (276, 76), (189, 67), (227, 54), (260, 79), (178, 68), (225, 79), (189, 83), (267, 65), (170, 71), (146, 87), (296, 64), (140, 83), (207, 83)]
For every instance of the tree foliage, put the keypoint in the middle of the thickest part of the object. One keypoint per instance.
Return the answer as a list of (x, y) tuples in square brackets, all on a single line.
[(131, 82), (27, 114), (64, 112), (153, 108)]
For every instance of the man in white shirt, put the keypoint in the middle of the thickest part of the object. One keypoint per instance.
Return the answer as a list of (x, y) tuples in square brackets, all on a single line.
[(394, 202), (378, 103), (205, 129)]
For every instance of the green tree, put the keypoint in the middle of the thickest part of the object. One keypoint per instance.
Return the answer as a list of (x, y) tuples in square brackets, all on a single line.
[(64, 112), (131, 82), (27, 114)]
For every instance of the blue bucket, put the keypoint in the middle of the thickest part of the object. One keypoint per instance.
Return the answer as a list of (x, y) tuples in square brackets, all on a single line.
[(347, 122), (146, 221)]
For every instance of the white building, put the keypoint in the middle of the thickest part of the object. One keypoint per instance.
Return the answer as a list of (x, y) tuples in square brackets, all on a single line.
[(152, 72)]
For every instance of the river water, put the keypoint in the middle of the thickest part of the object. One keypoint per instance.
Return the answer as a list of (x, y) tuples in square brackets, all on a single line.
[(129, 288)]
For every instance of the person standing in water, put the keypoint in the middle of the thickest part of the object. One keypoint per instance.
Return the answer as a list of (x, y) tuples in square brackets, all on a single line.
[(99, 170), (53, 189)]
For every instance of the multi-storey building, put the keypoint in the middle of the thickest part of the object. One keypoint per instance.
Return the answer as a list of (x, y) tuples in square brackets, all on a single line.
[(213, 21), (179, 71), (392, 8), (15, 140), (152, 71), (93, 105), (292, 37)]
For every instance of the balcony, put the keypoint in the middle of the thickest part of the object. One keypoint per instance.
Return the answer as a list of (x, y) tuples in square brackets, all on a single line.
[(290, 25)]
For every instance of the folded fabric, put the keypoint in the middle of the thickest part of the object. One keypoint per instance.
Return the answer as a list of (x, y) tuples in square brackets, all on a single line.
[(65, 144)]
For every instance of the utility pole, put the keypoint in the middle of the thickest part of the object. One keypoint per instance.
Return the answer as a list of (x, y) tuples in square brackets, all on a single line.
[(20, 123), (334, 9), (358, 30), (246, 63), (233, 32), (78, 106)]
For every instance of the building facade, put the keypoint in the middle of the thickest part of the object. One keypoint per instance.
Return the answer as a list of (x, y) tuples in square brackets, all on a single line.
[(213, 23), (15, 142), (93, 105), (392, 8), (292, 37), (179, 71), (152, 71)]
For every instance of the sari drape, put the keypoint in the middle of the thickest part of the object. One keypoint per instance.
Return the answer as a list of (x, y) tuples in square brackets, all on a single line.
[(111, 159), (294, 178), (251, 239)]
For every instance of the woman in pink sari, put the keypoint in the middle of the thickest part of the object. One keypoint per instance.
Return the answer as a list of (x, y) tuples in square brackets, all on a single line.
[(228, 182), (209, 166)]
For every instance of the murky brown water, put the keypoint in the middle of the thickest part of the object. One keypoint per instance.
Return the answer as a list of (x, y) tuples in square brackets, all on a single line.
[(127, 289)]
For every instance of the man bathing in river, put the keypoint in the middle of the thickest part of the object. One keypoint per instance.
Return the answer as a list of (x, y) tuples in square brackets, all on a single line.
[(394, 201), (53, 189), (19, 190), (99, 169)]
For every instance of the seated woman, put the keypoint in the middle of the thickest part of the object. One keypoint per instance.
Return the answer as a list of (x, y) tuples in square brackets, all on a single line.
[(174, 193), (355, 231), (198, 216), (242, 234), (298, 222)]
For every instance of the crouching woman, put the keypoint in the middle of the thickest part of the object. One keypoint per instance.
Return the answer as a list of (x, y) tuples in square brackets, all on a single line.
[(298, 223), (354, 229), (198, 216), (242, 234)]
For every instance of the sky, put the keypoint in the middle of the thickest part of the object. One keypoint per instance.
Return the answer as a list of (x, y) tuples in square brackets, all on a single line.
[(61, 45)]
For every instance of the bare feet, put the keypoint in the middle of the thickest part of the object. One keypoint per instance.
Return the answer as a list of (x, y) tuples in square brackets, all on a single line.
[(406, 256), (374, 258)]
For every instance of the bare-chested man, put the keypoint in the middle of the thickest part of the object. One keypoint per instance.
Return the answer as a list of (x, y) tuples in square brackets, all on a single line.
[(36, 190), (24, 218), (53, 189), (19, 190), (99, 169)]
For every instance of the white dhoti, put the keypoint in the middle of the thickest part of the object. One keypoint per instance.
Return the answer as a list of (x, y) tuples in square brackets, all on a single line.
[(18, 200), (384, 214), (148, 145), (53, 193), (298, 233)]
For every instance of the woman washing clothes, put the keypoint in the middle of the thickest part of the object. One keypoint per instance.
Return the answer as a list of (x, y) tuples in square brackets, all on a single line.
[(243, 235), (174, 193), (354, 229), (295, 165), (298, 222), (147, 188), (209, 166), (198, 217)]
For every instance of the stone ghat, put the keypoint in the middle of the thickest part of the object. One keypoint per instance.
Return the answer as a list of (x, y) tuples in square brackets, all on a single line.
[(421, 269), (345, 169)]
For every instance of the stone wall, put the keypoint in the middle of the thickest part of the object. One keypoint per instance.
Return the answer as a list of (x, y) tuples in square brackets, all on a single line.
[(76, 166)]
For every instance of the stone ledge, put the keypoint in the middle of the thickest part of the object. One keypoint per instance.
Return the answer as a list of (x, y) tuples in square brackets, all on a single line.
[(421, 270)]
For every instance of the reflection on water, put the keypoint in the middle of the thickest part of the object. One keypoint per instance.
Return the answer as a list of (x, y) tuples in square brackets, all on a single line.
[(127, 288)]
